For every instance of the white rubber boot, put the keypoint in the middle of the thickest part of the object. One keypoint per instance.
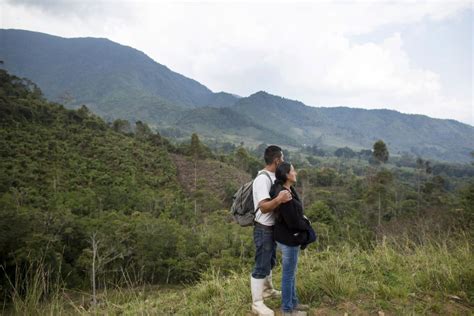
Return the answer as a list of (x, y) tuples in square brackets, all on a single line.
[(258, 307), (268, 289)]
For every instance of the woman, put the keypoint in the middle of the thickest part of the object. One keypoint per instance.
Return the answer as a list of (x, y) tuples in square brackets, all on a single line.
[(290, 232)]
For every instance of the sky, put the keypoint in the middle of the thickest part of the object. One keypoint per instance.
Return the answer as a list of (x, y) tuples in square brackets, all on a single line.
[(410, 56)]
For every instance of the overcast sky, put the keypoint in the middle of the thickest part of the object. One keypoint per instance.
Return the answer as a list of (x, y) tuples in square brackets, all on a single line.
[(410, 56)]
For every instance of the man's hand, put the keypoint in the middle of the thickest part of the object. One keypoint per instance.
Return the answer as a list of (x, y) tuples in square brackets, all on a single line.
[(268, 205), (284, 196)]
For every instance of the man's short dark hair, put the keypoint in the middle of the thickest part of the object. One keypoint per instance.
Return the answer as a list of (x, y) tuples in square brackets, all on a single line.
[(271, 153)]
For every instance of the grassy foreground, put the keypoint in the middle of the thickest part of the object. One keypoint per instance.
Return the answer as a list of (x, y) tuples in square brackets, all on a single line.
[(391, 279)]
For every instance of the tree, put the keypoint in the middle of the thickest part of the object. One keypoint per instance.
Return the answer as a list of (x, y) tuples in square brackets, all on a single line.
[(466, 197), (242, 158), (195, 147), (324, 177), (84, 111), (379, 192), (379, 182), (303, 181), (101, 256), (122, 126), (423, 168), (260, 150), (142, 130), (380, 152), (313, 161), (196, 151), (344, 152)]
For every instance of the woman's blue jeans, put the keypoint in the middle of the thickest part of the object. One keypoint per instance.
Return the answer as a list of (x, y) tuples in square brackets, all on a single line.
[(289, 299)]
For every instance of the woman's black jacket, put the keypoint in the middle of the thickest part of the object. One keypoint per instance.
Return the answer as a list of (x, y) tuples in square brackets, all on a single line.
[(291, 228)]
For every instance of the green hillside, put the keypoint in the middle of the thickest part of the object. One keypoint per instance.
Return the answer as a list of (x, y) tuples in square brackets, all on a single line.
[(102, 218), (106, 76), (420, 135), (68, 177), (116, 81), (228, 124)]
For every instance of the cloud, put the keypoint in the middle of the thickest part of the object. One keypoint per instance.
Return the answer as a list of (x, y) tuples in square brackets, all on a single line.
[(300, 50), (61, 7)]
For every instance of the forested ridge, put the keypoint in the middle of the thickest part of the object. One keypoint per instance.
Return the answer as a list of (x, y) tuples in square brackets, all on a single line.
[(105, 217), (119, 82)]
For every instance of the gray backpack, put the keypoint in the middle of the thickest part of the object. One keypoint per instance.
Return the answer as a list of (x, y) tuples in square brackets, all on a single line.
[(242, 209)]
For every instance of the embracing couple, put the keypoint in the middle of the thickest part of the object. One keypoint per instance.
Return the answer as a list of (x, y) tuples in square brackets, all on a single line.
[(279, 220)]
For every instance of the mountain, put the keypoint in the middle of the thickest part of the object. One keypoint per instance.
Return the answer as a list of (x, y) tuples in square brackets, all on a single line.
[(110, 78), (116, 81), (359, 128)]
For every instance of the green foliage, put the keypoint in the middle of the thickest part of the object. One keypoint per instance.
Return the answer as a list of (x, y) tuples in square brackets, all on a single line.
[(321, 213), (70, 181), (67, 175), (380, 152), (122, 126), (345, 152), (324, 177), (195, 148), (247, 162), (466, 210), (131, 86), (68, 178)]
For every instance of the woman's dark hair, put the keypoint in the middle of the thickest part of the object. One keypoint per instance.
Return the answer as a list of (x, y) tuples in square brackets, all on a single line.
[(281, 173)]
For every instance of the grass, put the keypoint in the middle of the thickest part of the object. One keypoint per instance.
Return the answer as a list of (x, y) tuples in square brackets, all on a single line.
[(35, 290), (398, 278)]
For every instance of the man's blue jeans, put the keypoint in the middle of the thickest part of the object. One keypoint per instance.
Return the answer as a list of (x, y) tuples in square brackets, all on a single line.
[(289, 299), (265, 251)]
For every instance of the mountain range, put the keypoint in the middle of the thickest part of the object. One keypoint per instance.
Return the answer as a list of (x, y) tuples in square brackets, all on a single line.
[(117, 81)]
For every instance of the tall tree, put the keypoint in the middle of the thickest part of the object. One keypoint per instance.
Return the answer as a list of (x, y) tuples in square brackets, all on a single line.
[(380, 152), (196, 151), (242, 158), (383, 177), (423, 169), (122, 126), (142, 130)]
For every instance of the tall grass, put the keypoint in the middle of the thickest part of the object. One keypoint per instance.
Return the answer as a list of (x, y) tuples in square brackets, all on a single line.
[(35, 289), (390, 271), (397, 276)]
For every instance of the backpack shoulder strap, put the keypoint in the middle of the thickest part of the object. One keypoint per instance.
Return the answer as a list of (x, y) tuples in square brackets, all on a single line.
[(267, 174), (269, 178)]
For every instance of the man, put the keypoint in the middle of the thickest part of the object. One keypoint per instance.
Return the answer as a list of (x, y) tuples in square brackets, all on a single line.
[(265, 254)]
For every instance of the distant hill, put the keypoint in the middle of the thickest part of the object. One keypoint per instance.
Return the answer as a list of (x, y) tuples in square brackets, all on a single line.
[(270, 118), (359, 128), (110, 78), (117, 81)]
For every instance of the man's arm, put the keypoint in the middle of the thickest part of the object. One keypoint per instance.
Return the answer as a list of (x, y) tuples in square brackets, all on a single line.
[(267, 205)]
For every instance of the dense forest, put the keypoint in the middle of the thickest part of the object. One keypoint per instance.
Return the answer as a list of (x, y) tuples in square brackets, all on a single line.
[(90, 206)]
